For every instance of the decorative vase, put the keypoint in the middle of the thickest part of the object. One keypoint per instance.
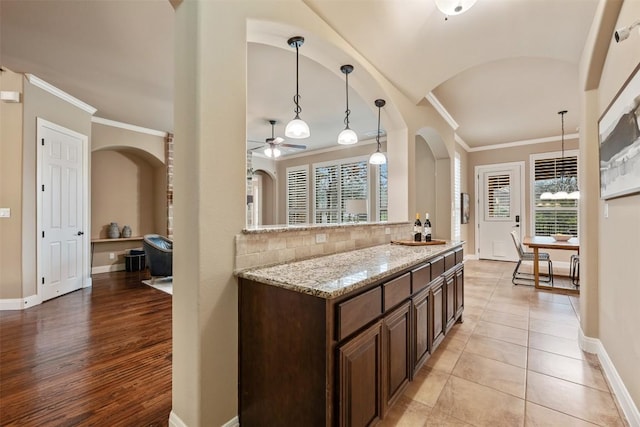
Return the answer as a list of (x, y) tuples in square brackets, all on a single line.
[(114, 231), (126, 231)]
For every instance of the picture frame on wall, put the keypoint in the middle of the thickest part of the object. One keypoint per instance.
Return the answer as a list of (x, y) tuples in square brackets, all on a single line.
[(619, 132), (465, 208)]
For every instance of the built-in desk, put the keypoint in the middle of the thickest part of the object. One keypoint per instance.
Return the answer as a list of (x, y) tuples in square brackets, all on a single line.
[(116, 240)]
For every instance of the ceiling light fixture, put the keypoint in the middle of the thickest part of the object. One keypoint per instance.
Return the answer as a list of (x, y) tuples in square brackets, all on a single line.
[(378, 158), (454, 7), (272, 150), (297, 128), (347, 136), (622, 34), (561, 193)]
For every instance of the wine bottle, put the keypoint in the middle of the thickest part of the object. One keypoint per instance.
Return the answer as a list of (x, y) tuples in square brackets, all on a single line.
[(427, 228), (417, 229)]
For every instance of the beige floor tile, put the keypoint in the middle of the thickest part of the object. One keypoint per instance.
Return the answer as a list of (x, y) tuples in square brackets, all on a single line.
[(568, 318), (552, 344), (427, 386), (557, 329), (443, 360), (567, 368), (539, 416), (501, 332), (508, 319), (501, 351), (479, 405), (454, 342), (544, 296), (573, 399), (406, 413), (497, 375), (520, 310), (501, 299)]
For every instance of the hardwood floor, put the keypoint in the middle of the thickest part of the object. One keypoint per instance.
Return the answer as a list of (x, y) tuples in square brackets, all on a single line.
[(99, 356)]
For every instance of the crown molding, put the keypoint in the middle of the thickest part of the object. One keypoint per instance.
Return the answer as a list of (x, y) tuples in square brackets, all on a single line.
[(128, 126), (461, 141), (523, 142), (38, 82), (443, 111)]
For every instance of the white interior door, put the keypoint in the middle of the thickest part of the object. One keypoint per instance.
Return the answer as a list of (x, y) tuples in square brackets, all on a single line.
[(499, 210), (61, 210)]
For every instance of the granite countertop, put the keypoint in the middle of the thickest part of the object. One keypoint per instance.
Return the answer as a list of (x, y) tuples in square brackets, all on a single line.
[(315, 227), (335, 275)]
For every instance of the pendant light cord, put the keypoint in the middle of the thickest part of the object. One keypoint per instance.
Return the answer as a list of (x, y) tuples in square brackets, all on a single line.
[(347, 111), (296, 98), (378, 134)]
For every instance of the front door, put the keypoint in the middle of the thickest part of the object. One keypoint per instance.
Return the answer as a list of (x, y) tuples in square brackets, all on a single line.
[(499, 210), (61, 209)]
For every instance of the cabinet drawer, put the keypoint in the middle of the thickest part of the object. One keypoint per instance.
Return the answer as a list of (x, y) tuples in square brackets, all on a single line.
[(449, 261), (459, 256), (358, 311), (437, 267), (397, 290), (420, 278)]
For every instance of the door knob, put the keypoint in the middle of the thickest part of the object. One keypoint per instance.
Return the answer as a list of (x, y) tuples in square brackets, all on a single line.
[(80, 233)]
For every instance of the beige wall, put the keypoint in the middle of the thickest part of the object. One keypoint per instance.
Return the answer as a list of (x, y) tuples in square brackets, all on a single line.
[(619, 281), (11, 188), (426, 184)]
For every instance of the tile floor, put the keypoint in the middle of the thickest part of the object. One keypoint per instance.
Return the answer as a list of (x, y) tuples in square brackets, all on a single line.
[(515, 361)]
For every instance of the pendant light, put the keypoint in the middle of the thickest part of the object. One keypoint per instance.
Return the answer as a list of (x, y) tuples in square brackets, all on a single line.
[(297, 128), (454, 7), (561, 193), (378, 158), (347, 136)]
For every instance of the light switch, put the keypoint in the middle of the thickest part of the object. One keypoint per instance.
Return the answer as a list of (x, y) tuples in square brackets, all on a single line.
[(5, 212), (606, 210)]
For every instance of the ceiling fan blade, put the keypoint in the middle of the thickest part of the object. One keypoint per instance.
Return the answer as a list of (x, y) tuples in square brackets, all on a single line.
[(298, 146), (278, 140)]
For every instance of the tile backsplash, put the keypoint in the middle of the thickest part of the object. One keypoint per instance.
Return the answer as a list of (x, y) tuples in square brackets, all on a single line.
[(271, 245)]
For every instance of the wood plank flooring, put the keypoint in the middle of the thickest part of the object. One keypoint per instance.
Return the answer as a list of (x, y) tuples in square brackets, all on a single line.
[(95, 357)]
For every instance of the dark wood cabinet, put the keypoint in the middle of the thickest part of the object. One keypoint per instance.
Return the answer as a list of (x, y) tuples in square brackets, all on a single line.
[(396, 355), (420, 311), (459, 292), (359, 377), (438, 303), (450, 297)]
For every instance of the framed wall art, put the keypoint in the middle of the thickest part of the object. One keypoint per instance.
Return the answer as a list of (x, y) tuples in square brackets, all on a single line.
[(619, 133)]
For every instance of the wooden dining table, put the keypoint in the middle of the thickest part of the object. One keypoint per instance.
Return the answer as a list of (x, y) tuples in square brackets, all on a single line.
[(547, 242)]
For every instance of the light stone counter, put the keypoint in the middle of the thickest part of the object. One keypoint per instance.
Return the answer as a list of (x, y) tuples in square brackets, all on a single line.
[(335, 275)]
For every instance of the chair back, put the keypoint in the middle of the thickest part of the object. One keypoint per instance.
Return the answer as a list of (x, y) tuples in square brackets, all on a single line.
[(517, 243)]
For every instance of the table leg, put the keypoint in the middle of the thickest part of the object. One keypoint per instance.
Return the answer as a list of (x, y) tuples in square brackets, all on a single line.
[(536, 268)]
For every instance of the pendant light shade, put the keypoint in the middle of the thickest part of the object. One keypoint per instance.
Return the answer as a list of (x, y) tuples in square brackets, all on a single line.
[(347, 136), (297, 128), (378, 158), (454, 7)]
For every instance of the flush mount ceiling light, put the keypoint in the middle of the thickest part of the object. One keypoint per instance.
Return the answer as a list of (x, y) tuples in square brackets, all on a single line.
[(378, 158), (347, 136), (622, 34), (454, 7), (561, 186), (297, 128)]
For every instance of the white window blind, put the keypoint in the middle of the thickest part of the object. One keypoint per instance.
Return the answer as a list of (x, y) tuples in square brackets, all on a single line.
[(498, 197), (553, 173), (297, 195), (382, 193), (338, 184), (456, 198)]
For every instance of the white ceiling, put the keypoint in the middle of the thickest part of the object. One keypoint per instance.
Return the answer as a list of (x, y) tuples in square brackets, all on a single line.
[(502, 70)]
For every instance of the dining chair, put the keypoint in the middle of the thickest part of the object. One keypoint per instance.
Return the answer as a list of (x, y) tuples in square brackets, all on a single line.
[(529, 256)]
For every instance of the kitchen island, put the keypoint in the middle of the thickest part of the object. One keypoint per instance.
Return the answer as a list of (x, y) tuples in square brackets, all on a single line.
[(334, 340)]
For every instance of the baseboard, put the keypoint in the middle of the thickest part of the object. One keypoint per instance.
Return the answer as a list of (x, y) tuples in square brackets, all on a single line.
[(471, 256), (19, 303), (107, 268), (175, 421), (594, 345)]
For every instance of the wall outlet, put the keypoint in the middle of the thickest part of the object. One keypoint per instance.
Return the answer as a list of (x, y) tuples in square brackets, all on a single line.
[(112, 255), (321, 238), (387, 230), (5, 212)]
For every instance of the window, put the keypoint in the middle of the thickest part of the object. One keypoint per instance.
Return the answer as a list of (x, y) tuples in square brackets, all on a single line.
[(456, 198), (498, 204), (551, 172), (337, 182), (382, 195), (297, 195)]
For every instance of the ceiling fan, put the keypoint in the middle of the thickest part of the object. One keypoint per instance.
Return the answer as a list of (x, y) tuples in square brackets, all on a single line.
[(271, 144)]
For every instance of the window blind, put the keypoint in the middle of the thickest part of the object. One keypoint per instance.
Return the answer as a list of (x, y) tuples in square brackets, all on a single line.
[(327, 205), (499, 196), (297, 195), (353, 186), (382, 193)]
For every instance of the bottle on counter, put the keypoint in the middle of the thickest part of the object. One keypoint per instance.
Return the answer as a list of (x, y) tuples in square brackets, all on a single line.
[(427, 228), (417, 229)]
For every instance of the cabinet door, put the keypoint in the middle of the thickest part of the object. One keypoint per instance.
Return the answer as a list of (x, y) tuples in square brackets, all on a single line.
[(396, 371), (459, 292), (359, 396), (450, 295), (438, 304), (421, 310)]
